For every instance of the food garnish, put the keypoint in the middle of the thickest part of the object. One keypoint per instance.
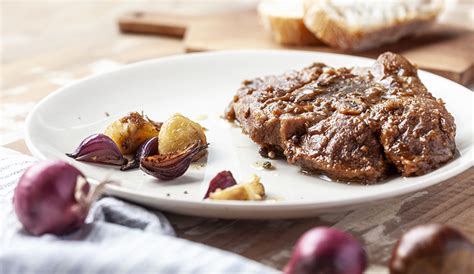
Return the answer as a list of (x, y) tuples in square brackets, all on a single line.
[(327, 250), (131, 131), (178, 133), (173, 165), (222, 180), (148, 148), (268, 165), (98, 148), (183, 141), (252, 190), (53, 197)]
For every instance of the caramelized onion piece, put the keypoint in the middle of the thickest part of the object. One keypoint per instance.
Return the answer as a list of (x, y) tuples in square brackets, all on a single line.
[(222, 180), (100, 149), (148, 148), (170, 166)]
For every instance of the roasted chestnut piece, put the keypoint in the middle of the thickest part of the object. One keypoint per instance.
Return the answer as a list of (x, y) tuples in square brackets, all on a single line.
[(252, 191), (433, 249), (131, 131), (148, 148), (179, 132)]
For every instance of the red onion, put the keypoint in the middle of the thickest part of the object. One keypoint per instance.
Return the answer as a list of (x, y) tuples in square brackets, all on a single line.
[(100, 149), (170, 166), (329, 251), (157, 125), (222, 180), (53, 197), (148, 148)]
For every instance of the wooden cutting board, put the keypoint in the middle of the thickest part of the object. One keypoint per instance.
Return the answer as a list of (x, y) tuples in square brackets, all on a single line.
[(445, 50)]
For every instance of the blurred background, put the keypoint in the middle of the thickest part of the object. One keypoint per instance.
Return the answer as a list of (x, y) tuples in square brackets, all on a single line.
[(47, 44)]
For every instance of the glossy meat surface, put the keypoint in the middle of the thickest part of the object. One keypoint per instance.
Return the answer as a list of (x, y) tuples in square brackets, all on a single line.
[(349, 124)]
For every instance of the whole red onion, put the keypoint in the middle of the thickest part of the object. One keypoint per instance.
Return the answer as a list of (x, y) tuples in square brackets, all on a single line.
[(325, 250), (53, 197)]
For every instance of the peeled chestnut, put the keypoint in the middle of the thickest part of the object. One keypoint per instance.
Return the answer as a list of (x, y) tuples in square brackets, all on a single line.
[(434, 249), (131, 131), (179, 132)]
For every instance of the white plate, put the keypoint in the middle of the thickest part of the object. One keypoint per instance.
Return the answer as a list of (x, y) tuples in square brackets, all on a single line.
[(201, 85)]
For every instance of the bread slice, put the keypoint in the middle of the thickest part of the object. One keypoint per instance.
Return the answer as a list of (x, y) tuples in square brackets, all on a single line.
[(359, 25), (284, 20)]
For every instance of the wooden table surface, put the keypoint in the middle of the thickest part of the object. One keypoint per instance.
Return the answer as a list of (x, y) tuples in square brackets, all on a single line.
[(46, 45)]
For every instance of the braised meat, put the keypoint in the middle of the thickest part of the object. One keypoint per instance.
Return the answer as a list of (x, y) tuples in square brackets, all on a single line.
[(349, 124)]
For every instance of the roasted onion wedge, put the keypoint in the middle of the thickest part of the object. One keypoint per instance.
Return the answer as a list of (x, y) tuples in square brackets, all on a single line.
[(100, 149), (222, 180), (171, 166), (148, 148)]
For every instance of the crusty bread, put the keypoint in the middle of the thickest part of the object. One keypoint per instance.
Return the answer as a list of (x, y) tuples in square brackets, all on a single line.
[(359, 25), (284, 20)]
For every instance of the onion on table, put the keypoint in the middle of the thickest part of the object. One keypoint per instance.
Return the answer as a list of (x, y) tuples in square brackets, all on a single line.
[(53, 197)]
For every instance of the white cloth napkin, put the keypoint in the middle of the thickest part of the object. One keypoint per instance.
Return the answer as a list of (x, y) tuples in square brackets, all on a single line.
[(118, 238)]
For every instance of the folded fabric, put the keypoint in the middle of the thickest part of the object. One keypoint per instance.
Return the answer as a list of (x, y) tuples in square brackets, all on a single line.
[(118, 238)]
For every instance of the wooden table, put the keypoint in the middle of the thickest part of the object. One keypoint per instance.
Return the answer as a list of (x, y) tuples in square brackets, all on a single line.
[(46, 45)]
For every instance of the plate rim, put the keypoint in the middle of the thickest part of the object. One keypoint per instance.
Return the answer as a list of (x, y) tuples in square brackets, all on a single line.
[(467, 161)]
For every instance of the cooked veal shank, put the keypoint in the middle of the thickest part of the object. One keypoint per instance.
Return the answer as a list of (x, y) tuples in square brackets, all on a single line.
[(350, 124)]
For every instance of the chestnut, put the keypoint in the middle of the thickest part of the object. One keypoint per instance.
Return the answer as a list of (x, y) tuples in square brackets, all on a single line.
[(432, 249)]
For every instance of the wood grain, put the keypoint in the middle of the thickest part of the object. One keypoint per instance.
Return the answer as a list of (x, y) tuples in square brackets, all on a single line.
[(154, 23), (33, 57), (378, 226), (443, 49)]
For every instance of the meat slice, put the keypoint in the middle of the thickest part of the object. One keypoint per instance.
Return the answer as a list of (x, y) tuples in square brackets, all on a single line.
[(342, 147), (349, 124), (417, 134)]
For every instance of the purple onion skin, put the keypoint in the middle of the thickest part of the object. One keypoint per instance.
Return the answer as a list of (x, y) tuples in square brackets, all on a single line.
[(222, 180), (325, 250), (171, 166), (44, 198), (147, 148), (99, 149)]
